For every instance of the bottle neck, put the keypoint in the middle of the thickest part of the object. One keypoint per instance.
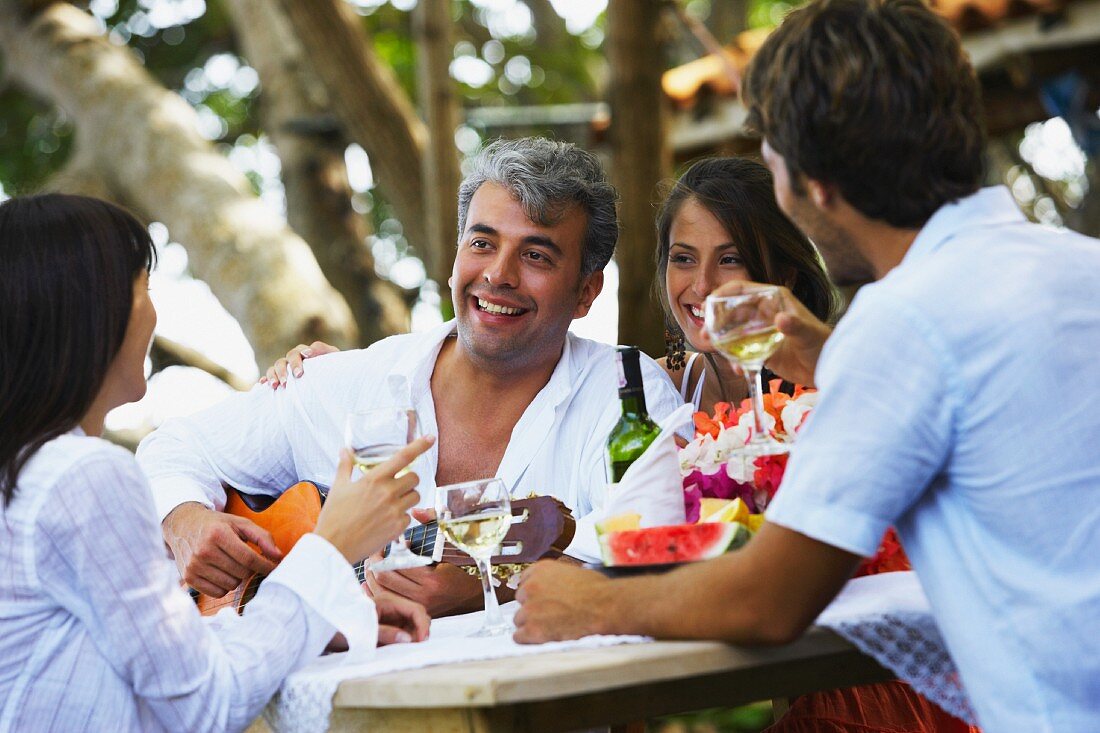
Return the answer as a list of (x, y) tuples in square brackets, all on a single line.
[(633, 402)]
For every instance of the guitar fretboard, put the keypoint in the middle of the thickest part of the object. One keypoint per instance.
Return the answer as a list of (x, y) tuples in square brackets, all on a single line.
[(421, 539)]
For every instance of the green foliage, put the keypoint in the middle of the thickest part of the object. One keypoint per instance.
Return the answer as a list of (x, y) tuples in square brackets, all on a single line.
[(35, 142), (745, 719)]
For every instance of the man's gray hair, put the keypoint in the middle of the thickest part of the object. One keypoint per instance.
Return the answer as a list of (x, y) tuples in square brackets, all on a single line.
[(546, 176)]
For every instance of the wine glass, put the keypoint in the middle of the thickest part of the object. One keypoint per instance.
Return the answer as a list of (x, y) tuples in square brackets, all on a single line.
[(373, 437), (743, 330), (475, 516)]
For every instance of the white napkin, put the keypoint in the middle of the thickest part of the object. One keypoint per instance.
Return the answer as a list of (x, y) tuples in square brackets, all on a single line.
[(651, 487)]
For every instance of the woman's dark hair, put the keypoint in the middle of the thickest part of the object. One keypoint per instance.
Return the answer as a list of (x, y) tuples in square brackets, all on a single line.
[(67, 271), (875, 96), (738, 192)]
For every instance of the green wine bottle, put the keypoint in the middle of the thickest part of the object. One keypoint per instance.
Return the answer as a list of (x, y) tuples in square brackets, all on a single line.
[(634, 431)]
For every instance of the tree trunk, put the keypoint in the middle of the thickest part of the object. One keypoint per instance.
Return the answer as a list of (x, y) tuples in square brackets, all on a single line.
[(640, 158), (143, 141), (371, 106), (727, 18), (292, 101), (550, 28), (435, 49)]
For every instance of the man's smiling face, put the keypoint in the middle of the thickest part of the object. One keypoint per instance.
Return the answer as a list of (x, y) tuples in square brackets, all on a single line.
[(517, 284)]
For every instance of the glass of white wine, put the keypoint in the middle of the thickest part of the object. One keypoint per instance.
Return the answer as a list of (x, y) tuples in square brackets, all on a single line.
[(373, 437), (743, 330), (475, 517)]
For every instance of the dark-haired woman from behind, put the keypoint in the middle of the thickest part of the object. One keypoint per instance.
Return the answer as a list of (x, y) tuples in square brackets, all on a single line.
[(95, 632)]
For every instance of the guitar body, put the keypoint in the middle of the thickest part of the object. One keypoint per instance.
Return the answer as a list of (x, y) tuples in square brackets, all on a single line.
[(287, 518), (542, 527)]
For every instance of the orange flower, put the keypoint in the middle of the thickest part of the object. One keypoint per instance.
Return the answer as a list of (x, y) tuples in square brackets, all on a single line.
[(707, 425), (774, 402)]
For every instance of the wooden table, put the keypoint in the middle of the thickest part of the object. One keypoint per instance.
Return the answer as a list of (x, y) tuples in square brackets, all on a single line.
[(570, 690)]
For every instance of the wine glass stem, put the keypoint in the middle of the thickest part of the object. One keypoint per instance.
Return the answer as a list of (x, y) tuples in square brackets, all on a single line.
[(756, 394), (492, 610)]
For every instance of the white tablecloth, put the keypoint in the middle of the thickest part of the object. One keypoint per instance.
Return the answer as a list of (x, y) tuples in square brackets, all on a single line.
[(886, 616), (304, 702)]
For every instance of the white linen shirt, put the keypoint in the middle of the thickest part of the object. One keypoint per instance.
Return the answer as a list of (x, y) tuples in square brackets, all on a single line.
[(97, 635), (960, 399), (263, 441)]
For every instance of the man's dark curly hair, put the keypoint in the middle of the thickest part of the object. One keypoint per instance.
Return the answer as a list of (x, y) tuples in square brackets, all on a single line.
[(876, 97)]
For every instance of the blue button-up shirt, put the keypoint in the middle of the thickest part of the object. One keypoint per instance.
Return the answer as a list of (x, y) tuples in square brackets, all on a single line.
[(960, 400)]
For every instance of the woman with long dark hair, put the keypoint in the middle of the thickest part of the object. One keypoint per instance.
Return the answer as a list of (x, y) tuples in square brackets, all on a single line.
[(720, 222), (95, 632)]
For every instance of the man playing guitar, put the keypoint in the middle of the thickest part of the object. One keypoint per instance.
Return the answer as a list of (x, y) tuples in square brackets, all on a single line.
[(508, 390)]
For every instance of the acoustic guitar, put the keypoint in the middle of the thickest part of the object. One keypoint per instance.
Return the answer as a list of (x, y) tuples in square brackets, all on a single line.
[(542, 527)]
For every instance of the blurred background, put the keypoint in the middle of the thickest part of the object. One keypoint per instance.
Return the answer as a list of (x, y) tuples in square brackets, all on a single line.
[(298, 161)]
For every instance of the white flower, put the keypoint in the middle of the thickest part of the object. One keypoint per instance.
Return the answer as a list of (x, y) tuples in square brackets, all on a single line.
[(746, 421), (740, 470), (693, 455), (795, 411), (728, 440), (708, 454)]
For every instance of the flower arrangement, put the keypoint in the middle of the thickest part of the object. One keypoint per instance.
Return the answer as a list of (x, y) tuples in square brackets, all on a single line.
[(708, 472)]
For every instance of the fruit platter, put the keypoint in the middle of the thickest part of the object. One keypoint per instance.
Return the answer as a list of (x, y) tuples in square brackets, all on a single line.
[(629, 549)]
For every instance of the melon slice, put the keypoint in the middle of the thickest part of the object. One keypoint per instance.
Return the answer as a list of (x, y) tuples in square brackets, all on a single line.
[(676, 543), (724, 510), (619, 522)]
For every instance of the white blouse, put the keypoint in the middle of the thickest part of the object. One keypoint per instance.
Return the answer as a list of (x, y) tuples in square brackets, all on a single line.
[(96, 633)]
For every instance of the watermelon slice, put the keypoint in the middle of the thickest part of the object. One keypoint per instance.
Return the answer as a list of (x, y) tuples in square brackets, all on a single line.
[(676, 543)]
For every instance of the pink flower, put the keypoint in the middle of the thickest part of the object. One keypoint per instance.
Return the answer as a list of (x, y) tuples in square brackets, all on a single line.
[(693, 496), (715, 486)]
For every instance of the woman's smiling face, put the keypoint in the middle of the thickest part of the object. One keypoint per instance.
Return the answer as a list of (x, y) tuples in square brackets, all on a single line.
[(701, 257)]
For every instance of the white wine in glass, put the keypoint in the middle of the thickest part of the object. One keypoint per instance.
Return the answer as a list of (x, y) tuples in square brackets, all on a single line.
[(475, 516), (742, 328), (373, 437)]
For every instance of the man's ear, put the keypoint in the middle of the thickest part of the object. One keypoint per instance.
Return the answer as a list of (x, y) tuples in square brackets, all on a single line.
[(591, 287), (823, 195)]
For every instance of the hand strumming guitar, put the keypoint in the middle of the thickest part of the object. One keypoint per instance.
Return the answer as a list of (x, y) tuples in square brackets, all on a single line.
[(358, 518), (210, 548)]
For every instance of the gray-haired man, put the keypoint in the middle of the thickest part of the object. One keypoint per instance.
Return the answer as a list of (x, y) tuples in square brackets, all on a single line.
[(507, 389)]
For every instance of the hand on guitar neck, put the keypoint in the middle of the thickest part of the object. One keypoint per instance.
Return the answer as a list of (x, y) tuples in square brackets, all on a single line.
[(359, 518), (543, 528), (444, 589)]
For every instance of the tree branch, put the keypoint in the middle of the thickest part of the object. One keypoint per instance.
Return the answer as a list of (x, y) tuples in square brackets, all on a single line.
[(373, 109), (296, 112), (166, 353), (143, 141)]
